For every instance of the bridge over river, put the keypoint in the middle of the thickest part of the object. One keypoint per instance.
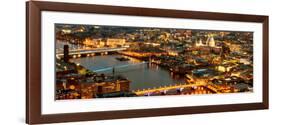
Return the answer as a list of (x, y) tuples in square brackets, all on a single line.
[(113, 68), (91, 51), (176, 86)]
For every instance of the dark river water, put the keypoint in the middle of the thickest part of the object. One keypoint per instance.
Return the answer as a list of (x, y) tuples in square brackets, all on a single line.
[(141, 74), (138, 72)]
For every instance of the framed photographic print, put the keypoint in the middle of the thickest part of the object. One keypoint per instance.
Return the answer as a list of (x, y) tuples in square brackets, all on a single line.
[(94, 62)]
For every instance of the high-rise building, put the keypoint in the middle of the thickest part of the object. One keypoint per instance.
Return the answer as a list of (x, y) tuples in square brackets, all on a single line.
[(65, 53)]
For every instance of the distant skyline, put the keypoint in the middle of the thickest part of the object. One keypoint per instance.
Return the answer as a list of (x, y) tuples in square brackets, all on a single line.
[(71, 26), (144, 33)]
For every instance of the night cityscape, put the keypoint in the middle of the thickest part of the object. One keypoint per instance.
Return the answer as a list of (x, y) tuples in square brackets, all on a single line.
[(115, 61)]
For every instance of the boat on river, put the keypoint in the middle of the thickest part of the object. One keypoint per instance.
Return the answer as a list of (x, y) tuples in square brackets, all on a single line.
[(122, 58)]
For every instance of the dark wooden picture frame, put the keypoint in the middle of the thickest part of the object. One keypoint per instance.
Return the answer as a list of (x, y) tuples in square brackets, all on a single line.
[(33, 61)]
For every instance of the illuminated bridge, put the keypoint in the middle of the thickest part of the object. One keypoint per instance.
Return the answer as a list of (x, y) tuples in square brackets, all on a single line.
[(177, 86), (168, 87), (120, 66), (92, 51)]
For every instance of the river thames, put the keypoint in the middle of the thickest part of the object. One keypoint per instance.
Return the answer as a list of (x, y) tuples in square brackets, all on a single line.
[(141, 74)]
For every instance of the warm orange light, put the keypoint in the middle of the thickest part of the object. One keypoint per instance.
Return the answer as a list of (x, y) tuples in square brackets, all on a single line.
[(72, 87)]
